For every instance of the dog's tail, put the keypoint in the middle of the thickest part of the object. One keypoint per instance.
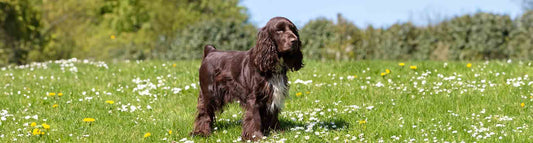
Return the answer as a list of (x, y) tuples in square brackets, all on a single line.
[(208, 49)]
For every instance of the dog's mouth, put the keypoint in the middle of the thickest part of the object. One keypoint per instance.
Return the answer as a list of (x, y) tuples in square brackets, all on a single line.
[(289, 48)]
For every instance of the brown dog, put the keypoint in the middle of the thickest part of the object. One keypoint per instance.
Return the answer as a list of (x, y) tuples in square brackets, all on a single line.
[(257, 78)]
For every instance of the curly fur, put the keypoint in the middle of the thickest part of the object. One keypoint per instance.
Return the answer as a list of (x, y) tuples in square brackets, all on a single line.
[(257, 78)]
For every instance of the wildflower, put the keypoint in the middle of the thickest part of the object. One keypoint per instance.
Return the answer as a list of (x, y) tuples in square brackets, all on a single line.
[(170, 132), (299, 94), (412, 67), (37, 132), (110, 101), (51, 94), (354, 76), (173, 65), (387, 71), (469, 65), (362, 122), (383, 74), (59, 94), (46, 126), (33, 124), (112, 37), (401, 64), (55, 105), (88, 119), (147, 135), (307, 92), (522, 104)]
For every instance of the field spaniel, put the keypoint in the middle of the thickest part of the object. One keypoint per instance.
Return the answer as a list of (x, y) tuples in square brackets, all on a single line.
[(256, 78)]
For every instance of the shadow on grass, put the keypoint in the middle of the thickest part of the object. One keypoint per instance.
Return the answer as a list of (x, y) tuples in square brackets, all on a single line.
[(288, 125)]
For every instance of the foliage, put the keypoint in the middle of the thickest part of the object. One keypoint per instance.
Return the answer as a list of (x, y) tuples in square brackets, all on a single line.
[(178, 29)]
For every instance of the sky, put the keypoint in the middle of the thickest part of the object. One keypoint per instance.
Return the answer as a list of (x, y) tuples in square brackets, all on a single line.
[(379, 13)]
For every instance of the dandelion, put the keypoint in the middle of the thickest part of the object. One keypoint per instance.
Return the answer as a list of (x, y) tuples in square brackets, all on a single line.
[(412, 67), (46, 126), (33, 124), (383, 74), (307, 92), (522, 104), (362, 122), (170, 132), (299, 94), (89, 120), (173, 65), (354, 76), (37, 132), (469, 65), (52, 94), (147, 135), (112, 37), (387, 71), (59, 94), (55, 106), (401, 64), (110, 101)]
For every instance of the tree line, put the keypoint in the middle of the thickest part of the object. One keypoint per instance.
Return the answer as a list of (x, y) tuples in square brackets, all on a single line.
[(177, 30)]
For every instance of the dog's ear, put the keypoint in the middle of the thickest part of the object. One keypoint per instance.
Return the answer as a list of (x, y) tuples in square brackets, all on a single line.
[(265, 55), (294, 59)]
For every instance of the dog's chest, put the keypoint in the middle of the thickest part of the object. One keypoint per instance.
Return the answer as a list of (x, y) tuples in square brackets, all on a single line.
[(280, 90)]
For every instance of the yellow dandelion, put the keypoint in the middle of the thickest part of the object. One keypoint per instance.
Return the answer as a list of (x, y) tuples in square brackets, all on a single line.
[(173, 65), (469, 65), (112, 37), (59, 94), (110, 101), (55, 105), (46, 126), (522, 104), (387, 71), (401, 64), (170, 132), (33, 124), (299, 94), (89, 120), (354, 76), (412, 67), (37, 132), (51, 94), (362, 122), (383, 74), (307, 92), (147, 135)]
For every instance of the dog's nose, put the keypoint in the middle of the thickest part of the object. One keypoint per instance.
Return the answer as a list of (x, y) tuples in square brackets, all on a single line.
[(294, 41)]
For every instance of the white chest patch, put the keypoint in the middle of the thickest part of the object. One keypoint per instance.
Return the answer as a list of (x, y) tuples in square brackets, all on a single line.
[(280, 91)]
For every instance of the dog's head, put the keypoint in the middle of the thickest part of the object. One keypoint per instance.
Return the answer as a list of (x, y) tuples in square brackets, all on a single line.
[(279, 39)]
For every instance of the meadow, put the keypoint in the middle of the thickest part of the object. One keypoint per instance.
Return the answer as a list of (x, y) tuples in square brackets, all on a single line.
[(361, 101)]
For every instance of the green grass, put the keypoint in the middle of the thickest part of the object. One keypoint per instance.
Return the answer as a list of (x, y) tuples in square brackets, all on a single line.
[(432, 103)]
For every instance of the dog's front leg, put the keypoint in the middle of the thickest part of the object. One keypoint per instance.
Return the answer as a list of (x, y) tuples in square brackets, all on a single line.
[(251, 127)]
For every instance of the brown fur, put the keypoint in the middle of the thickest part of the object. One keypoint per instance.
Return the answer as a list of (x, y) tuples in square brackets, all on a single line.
[(227, 76)]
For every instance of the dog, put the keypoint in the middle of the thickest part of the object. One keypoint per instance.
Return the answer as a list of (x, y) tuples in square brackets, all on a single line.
[(257, 78)]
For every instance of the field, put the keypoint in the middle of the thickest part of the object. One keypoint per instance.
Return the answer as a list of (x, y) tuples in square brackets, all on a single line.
[(134, 101)]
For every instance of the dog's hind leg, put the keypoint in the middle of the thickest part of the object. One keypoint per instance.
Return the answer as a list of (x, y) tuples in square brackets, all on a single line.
[(204, 120)]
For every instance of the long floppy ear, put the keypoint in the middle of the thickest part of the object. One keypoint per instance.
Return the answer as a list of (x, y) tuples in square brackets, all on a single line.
[(294, 59), (265, 55)]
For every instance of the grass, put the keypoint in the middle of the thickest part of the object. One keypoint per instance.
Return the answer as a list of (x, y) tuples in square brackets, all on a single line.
[(436, 102)]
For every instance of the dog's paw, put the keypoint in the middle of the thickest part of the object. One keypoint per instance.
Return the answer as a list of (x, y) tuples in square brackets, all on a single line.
[(253, 137), (201, 133)]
